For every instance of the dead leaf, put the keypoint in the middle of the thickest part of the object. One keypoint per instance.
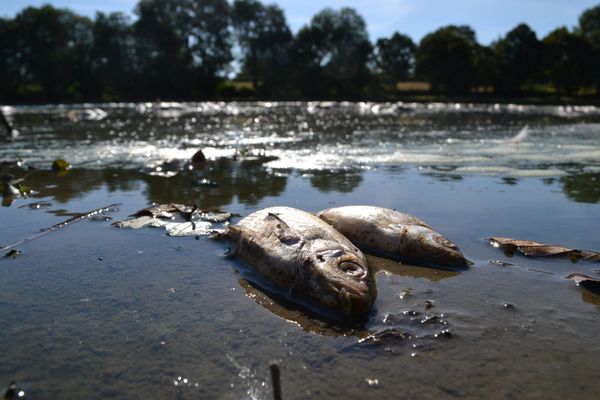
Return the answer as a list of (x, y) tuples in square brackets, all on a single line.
[(163, 210), (176, 219), (140, 222), (189, 228), (534, 249), (585, 281), (172, 210)]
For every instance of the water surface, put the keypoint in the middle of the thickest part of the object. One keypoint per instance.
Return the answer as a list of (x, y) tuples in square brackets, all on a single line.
[(92, 311)]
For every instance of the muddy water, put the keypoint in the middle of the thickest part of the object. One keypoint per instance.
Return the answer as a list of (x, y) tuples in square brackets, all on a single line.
[(92, 311)]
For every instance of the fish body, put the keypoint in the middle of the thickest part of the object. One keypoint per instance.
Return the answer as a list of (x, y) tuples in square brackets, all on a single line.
[(298, 252), (395, 235)]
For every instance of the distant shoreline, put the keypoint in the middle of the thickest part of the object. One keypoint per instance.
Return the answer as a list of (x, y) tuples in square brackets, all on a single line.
[(420, 98)]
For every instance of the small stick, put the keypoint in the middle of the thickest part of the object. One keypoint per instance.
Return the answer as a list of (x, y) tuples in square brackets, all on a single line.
[(276, 380), (54, 227)]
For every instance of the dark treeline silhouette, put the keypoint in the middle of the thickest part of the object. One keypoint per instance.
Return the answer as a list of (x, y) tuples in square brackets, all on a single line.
[(191, 50)]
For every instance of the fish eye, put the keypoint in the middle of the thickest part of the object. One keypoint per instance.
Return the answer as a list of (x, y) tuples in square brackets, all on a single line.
[(352, 269)]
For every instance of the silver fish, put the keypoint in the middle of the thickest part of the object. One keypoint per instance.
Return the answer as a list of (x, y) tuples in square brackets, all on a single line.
[(297, 251), (393, 234)]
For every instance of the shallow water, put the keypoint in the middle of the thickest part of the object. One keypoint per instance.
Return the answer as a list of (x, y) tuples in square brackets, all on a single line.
[(92, 311)]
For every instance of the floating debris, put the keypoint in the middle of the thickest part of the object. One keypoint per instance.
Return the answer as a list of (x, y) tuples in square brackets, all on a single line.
[(14, 392), (12, 188), (386, 336), (443, 334), (172, 167), (198, 157), (173, 210), (207, 182), (172, 227), (13, 253), (164, 169), (82, 216), (61, 165), (176, 219), (37, 204), (501, 263), (100, 217), (585, 281), (534, 249), (372, 381), (90, 114), (189, 228), (77, 218)]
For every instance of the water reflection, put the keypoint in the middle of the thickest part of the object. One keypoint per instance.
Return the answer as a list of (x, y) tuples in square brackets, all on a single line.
[(330, 141), (292, 312), (220, 182), (341, 181), (282, 307), (590, 298), (583, 187), (393, 267), (217, 184)]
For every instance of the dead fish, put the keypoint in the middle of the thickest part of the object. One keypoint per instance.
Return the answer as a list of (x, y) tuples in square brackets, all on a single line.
[(296, 251), (395, 235)]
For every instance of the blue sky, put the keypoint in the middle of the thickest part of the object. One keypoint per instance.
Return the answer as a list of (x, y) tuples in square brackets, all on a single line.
[(490, 18)]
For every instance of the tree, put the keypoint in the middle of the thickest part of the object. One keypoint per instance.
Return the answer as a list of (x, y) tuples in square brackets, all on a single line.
[(53, 54), (163, 60), (517, 59), (332, 54), (265, 39), (589, 25), (486, 69), (565, 59), (247, 21), (589, 28), (446, 58), (206, 25), (9, 71), (113, 55), (395, 57)]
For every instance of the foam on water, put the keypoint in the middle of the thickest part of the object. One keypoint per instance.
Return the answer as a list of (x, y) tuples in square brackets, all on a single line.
[(496, 139)]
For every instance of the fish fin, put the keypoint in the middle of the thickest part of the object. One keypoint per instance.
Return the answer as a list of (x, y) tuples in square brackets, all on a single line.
[(285, 233)]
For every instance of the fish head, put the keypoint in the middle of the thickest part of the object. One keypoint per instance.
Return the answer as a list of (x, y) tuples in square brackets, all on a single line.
[(442, 252), (339, 278)]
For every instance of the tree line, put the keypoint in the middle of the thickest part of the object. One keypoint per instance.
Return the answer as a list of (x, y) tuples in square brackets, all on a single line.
[(210, 49)]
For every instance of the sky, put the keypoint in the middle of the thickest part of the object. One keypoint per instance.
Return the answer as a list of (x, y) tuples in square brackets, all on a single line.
[(490, 19)]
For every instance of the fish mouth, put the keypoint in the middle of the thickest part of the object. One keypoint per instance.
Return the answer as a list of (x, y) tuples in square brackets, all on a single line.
[(345, 282), (447, 254), (353, 299), (355, 305)]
